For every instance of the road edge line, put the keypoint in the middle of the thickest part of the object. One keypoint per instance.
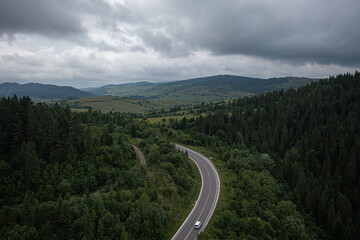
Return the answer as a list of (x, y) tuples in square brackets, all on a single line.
[(197, 200), (213, 207)]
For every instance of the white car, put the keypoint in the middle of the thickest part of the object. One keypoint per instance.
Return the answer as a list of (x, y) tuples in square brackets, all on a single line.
[(198, 224)]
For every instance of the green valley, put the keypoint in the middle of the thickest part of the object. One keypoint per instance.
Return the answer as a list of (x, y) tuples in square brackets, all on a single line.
[(117, 104)]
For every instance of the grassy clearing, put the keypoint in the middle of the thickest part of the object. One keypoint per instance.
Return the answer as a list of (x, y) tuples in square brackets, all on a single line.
[(135, 141), (178, 117), (166, 119), (107, 104), (117, 104)]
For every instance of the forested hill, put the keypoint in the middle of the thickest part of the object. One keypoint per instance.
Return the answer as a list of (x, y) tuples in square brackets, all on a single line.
[(41, 91), (313, 134), (197, 90)]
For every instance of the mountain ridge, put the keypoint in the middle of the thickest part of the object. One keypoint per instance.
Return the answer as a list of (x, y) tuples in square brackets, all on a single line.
[(203, 89), (41, 91)]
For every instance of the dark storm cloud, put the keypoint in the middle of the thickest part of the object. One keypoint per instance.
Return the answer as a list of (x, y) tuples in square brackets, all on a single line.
[(301, 32), (294, 31), (43, 17), (58, 19)]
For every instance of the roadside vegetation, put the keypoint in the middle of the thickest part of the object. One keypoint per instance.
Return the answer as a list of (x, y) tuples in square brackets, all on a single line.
[(252, 204)]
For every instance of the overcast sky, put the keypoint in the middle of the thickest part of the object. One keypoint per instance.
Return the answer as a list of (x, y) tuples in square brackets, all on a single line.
[(87, 43)]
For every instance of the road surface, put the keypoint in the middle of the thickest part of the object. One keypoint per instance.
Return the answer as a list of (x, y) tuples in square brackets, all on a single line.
[(140, 154), (207, 200)]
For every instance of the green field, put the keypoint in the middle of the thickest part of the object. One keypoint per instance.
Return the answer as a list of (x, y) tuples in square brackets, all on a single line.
[(117, 104)]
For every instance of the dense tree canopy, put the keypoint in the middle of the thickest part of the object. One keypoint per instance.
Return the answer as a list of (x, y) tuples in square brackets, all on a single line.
[(68, 175), (313, 135)]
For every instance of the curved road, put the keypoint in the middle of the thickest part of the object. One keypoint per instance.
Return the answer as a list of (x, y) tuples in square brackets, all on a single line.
[(207, 200)]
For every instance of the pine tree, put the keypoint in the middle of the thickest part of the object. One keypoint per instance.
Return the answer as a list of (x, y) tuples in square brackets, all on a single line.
[(31, 164), (89, 141)]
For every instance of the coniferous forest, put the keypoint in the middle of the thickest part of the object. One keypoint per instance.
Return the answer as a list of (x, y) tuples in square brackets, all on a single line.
[(311, 140), (68, 175)]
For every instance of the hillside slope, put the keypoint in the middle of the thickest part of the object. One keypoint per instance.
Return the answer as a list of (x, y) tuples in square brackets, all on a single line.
[(214, 88), (41, 91), (123, 90)]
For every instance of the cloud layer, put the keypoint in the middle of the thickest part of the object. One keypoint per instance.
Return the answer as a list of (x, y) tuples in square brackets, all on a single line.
[(91, 43)]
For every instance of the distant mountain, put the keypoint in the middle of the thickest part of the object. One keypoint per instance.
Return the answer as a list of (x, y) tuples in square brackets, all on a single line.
[(41, 91), (215, 88), (123, 90)]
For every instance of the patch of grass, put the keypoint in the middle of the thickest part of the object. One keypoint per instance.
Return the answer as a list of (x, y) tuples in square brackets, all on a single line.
[(166, 119), (117, 104), (107, 104), (175, 116), (135, 141)]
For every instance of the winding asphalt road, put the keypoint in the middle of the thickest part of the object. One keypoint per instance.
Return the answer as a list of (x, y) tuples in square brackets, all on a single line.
[(207, 200)]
